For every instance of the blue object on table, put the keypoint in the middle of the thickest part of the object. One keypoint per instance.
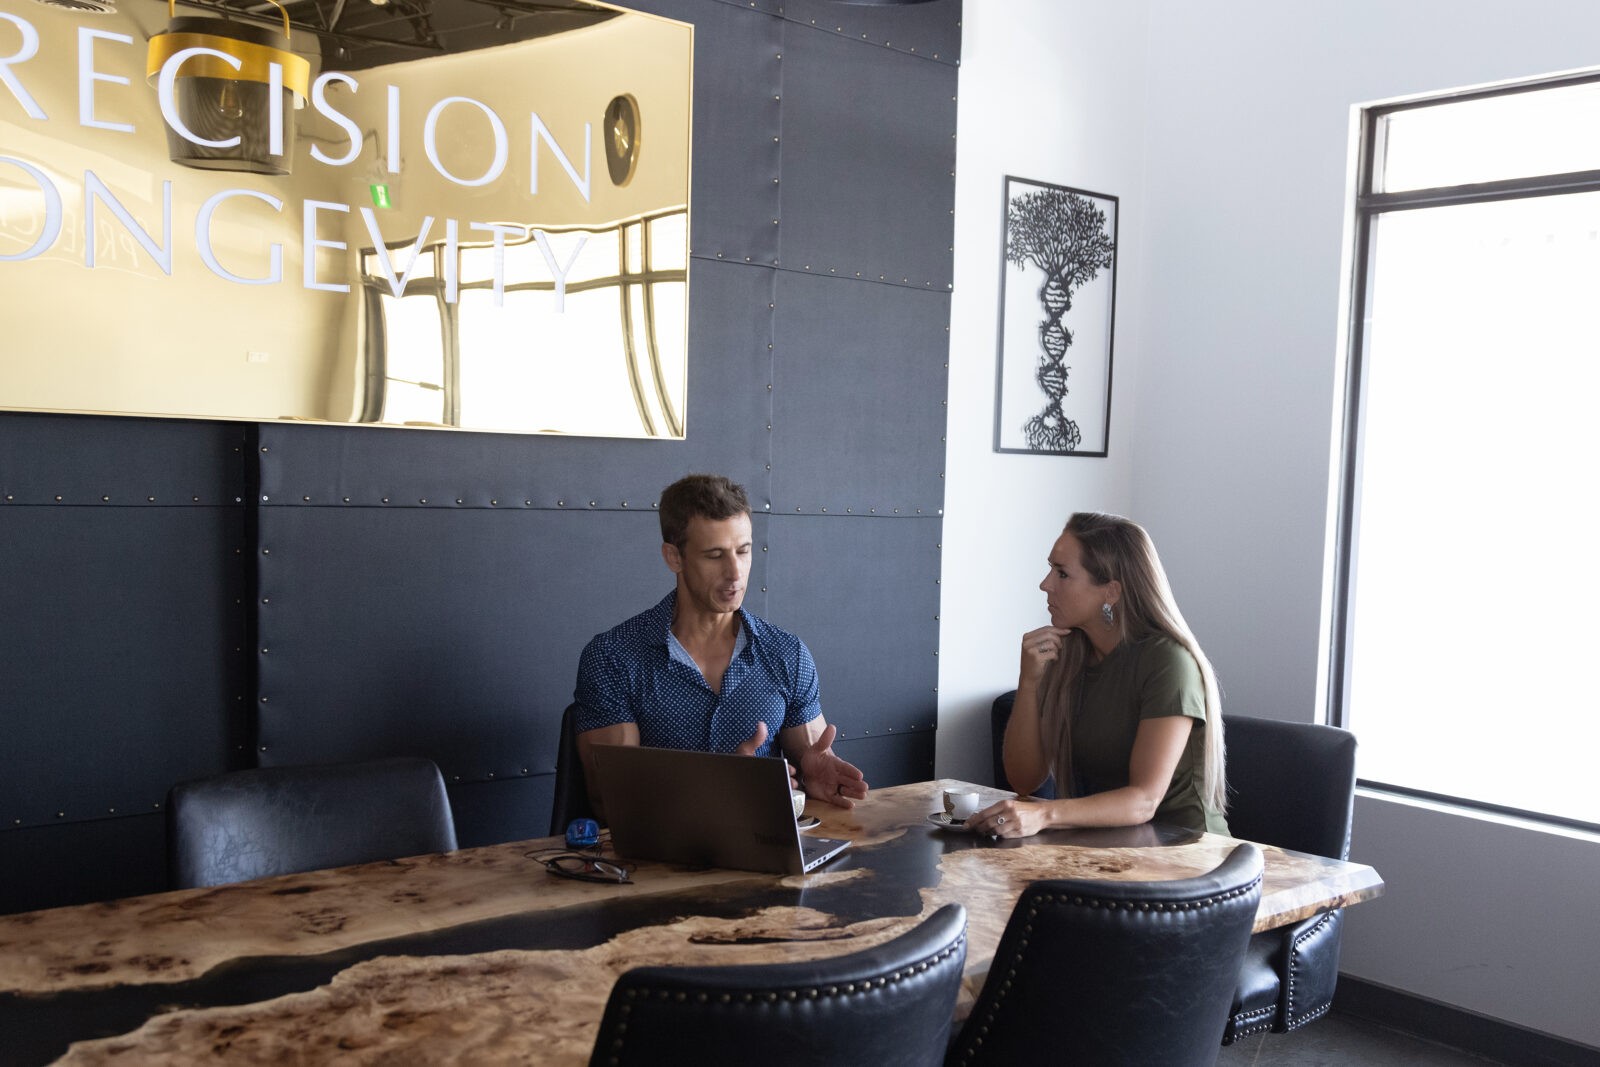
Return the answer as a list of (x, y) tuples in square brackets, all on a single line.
[(583, 833)]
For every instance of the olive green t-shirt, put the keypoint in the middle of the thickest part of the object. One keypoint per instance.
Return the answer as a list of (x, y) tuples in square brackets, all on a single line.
[(1150, 678)]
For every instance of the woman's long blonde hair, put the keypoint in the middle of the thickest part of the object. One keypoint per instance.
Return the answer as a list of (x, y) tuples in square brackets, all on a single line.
[(1118, 549)]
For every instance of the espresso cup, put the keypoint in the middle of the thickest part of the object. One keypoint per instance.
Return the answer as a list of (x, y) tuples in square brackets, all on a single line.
[(798, 799), (960, 804)]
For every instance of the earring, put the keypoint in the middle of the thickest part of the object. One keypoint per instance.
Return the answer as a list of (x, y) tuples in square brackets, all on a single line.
[(1108, 615)]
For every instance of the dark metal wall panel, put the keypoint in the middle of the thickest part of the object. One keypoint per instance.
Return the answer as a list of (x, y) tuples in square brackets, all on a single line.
[(121, 651), (860, 371), (863, 593), (86, 459), (487, 813), (451, 634), (868, 163), (728, 414), (928, 30), (892, 760), (79, 862)]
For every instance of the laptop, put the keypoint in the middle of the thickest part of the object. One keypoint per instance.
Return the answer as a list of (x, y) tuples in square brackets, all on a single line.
[(705, 809)]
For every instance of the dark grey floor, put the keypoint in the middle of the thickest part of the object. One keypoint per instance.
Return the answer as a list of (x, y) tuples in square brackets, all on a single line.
[(1343, 1041)]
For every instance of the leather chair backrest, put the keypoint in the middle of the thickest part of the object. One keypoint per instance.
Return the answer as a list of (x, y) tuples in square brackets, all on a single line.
[(1106, 973), (281, 820), (572, 791), (1291, 784), (881, 1006)]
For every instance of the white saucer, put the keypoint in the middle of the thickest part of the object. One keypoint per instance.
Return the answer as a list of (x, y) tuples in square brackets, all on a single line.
[(808, 822), (942, 819)]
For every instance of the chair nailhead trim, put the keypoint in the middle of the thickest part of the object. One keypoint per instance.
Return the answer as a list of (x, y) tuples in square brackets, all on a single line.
[(1079, 900), (810, 992)]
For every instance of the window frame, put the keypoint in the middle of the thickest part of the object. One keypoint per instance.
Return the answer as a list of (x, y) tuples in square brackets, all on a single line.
[(1368, 205)]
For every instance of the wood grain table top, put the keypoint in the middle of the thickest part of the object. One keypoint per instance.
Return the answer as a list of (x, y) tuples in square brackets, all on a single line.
[(481, 956)]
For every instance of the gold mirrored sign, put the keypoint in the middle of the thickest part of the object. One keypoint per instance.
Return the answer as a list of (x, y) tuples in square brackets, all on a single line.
[(440, 213)]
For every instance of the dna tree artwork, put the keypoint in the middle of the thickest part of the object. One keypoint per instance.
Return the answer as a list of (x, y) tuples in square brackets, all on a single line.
[(1064, 242)]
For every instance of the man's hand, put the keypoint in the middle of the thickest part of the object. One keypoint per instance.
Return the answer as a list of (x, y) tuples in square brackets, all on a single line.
[(826, 776)]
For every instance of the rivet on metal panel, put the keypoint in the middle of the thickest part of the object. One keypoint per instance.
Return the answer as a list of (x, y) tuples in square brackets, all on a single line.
[(58, 500), (527, 503), (306, 499), (266, 600), (264, 651), (263, 448), (61, 815), (111, 811), (105, 500), (767, 506), (524, 770), (849, 511), (494, 503), (491, 774), (624, 503), (873, 510), (797, 507), (347, 500), (266, 551), (460, 501), (385, 500), (763, 548), (195, 499), (561, 503), (263, 700), (263, 748), (824, 511), (9, 498), (591, 503), (763, 589), (151, 499), (422, 500), (897, 511)]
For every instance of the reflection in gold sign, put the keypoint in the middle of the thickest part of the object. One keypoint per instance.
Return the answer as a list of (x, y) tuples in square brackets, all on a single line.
[(450, 222)]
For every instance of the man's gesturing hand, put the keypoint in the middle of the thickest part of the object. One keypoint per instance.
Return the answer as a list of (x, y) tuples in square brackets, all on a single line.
[(826, 776)]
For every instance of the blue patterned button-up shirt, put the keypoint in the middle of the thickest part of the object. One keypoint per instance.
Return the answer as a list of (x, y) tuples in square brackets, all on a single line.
[(637, 672)]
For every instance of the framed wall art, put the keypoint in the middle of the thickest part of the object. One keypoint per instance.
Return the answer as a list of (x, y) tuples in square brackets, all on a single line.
[(1058, 271)]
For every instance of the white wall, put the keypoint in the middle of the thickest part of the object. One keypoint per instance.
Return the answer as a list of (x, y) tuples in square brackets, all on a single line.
[(1230, 320), (1059, 103)]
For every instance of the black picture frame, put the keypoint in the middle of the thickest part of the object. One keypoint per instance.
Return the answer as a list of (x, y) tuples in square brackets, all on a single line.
[(1053, 354)]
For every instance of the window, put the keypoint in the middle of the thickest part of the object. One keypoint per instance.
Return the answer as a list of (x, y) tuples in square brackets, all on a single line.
[(1468, 589)]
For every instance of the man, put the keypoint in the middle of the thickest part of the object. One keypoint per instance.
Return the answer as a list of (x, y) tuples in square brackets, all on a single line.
[(696, 672)]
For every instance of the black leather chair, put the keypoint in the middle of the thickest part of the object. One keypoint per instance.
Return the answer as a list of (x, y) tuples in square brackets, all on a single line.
[(572, 791), (281, 820), (1291, 785), (882, 1006), (999, 715), (1109, 973)]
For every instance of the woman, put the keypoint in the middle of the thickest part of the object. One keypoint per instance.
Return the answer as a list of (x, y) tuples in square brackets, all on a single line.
[(1114, 698)]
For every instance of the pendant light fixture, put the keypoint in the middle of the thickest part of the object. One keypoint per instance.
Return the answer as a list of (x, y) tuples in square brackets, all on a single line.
[(228, 91)]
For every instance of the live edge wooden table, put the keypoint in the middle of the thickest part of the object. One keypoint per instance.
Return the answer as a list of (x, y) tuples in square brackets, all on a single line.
[(480, 956)]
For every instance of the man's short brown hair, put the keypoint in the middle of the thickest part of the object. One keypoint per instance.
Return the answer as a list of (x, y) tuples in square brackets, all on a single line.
[(707, 496)]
